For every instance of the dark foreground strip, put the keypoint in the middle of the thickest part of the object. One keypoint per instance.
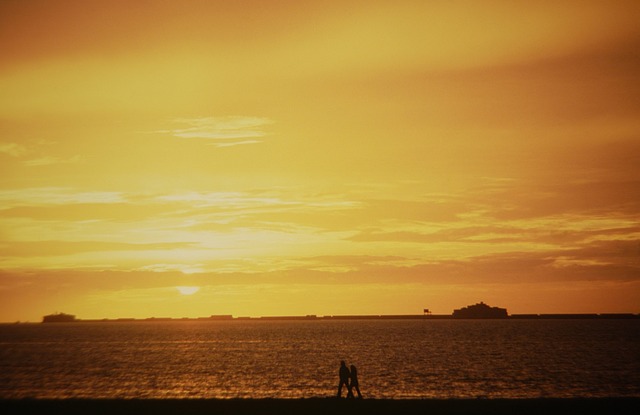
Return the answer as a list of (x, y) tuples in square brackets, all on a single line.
[(328, 406)]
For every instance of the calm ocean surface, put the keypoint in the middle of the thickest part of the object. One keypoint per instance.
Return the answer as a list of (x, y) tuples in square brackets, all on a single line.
[(298, 359)]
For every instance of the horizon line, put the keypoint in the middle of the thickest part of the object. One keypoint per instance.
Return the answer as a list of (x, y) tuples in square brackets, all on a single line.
[(70, 318)]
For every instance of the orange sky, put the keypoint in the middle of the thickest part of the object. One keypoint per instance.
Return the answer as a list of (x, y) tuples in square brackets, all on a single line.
[(306, 157)]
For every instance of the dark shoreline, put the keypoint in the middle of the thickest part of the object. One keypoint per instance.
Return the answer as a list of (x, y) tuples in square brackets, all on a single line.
[(331, 406)]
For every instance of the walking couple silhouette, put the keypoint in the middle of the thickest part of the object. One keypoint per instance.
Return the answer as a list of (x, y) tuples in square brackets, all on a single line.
[(348, 378)]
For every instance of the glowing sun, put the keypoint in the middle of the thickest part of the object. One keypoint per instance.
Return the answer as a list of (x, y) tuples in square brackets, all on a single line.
[(187, 290)]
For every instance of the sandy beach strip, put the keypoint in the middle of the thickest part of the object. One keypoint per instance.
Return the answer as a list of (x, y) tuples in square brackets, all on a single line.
[(321, 406)]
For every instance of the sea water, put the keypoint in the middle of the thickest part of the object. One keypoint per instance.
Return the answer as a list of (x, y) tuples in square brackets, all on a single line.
[(300, 359)]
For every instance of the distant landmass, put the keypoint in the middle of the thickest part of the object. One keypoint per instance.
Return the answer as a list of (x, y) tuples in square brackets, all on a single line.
[(476, 311), (480, 310)]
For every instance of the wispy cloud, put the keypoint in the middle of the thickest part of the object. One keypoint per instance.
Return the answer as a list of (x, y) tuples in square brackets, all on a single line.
[(55, 196), (26, 153), (50, 160), (226, 199), (225, 131), (13, 149), (243, 200), (183, 268), (60, 247), (237, 143)]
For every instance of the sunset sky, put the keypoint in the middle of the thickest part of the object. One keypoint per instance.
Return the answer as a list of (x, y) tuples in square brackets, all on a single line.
[(190, 158)]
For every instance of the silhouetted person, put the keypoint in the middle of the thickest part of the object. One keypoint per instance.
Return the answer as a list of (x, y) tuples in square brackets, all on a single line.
[(354, 382), (344, 379)]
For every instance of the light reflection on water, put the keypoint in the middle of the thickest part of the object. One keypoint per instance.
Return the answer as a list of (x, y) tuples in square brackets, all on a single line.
[(295, 359)]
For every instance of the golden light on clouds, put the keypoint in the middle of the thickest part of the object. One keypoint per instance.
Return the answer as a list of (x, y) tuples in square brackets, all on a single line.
[(297, 157)]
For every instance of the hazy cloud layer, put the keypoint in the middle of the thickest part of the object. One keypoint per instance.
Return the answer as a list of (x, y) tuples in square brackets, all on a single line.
[(415, 154), (222, 131)]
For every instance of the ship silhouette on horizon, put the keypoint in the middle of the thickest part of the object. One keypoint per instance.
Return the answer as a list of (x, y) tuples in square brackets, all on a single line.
[(59, 318)]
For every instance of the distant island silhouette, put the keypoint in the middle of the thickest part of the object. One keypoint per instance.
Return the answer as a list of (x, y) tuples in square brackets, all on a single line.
[(474, 312), (480, 310)]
